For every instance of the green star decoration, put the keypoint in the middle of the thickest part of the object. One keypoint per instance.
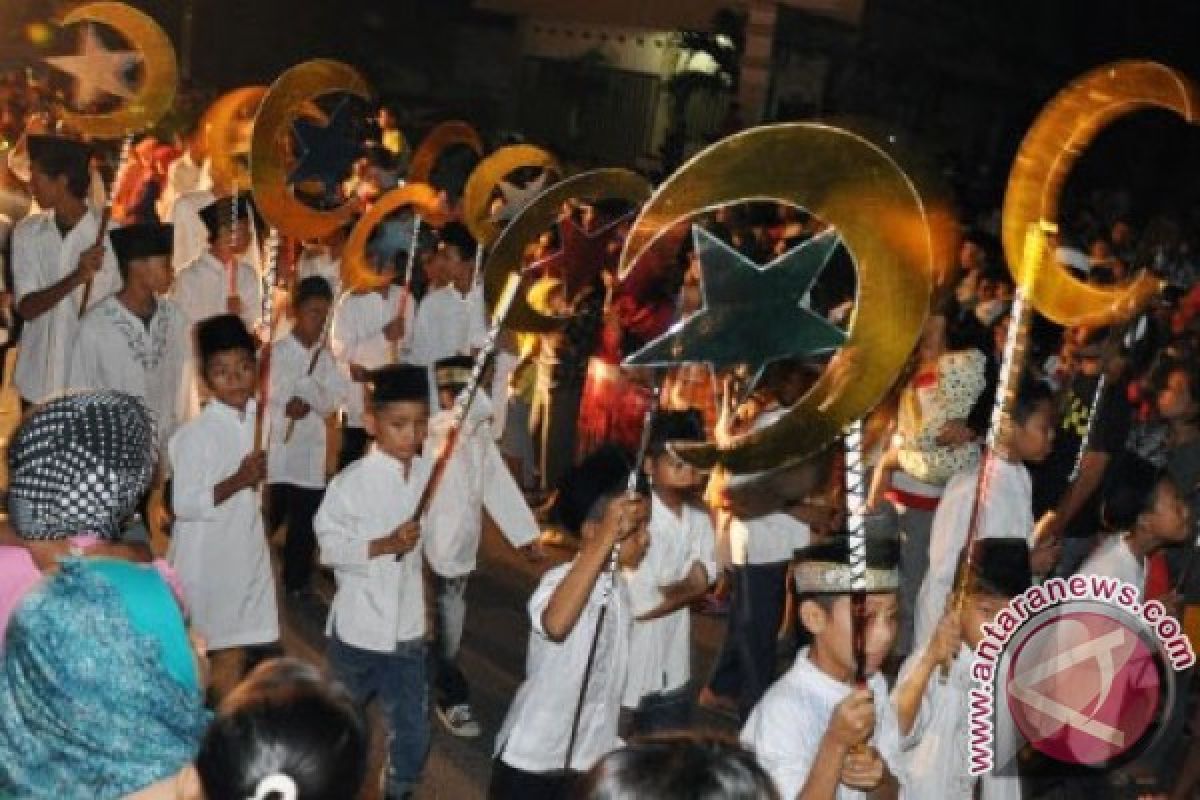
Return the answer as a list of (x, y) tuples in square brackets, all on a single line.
[(751, 314)]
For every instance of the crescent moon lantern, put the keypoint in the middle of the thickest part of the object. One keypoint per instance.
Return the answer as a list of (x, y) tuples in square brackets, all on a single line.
[(270, 146), (160, 78), (1061, 132), (486, 177), (882, 218), (544, 211), (225, 126), (356, 274), (436, 142)]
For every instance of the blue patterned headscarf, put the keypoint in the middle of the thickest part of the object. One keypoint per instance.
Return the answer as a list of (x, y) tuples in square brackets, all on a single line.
[(80, 464), (98, 694)]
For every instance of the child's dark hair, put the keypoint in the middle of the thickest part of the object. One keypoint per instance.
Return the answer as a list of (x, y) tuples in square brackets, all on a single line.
[(456, 235), (674, 426), (1032, 393), (1128, 492), (678, 767), (310, 287), (221, 333), (69, 161), (285, 720)]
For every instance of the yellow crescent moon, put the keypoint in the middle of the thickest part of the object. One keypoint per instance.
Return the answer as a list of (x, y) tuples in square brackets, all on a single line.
[(270, 146), (1061, 132), (224, 126), (881, 215), (509, 249), (156, 89), (356, 273), (444, 136), (486, 176)]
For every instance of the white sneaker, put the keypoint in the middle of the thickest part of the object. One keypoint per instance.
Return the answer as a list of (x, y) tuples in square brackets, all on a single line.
[(459, 721)]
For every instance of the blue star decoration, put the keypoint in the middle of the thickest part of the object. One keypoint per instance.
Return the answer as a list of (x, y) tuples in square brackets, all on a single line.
[(326, 153), (751, 315)]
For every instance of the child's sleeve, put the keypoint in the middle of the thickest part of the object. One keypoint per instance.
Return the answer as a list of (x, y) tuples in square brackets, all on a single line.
[(541, 597), (350, 337), (784, 739), (325, 389), (503, 499), (194, 467), (27, 273), (334, 526), (702, 548)]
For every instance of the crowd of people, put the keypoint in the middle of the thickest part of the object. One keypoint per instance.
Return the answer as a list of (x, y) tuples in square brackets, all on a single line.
[(146, 346)]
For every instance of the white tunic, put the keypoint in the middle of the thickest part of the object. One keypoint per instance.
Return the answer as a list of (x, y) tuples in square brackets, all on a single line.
[(379, 601), (935, 752), (660, 649), (183, 176), (116, 350), (300, 461), (1113, 558), (202, 290), (784, 730), (220, 552), (476, 478), (358, 324), (41, 258), (448, 324), (1007, 512), (537, 728)]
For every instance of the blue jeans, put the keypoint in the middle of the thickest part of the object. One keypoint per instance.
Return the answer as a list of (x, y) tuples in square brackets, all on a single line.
[(398, 681)]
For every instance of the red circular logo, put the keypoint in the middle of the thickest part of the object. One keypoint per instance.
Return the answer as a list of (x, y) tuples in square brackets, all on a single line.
[(1083, 687)]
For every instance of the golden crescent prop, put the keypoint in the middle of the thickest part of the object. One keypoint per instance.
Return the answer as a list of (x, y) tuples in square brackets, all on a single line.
[(356, 273), (270, 146), (486, 177), (854, 185), (438, 140), (156, 90), (506, 256), (1061, 132), (224, 126)]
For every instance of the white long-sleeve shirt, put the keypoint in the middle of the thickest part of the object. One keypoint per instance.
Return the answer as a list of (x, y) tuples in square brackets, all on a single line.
[(300, 460), (202, 290), (116, 350), (1007, 512), (379, 601), (784, 730), (358, 324), (660, 650), (537, 728), (476, 478), (448, 324), (935, 753), (220, 551), (41, 258), (183, 176), (1113, 558), (321, 262)]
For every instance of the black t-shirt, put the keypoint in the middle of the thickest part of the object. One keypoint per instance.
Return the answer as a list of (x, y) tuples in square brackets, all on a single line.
[(1108, 435)]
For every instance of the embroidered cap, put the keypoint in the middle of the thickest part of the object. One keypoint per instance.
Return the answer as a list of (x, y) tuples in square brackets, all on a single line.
[(825, 568)]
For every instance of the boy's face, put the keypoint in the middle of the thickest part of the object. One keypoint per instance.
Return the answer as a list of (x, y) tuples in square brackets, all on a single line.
[(241, 234), (155, 272), (1175, 401), (668, 471), (979, 608), (447, 396), (398, 428), (230, 375), (46, 190), (1169, 518), (633, 547), (1034, 439), (833, 630), (310, 318)]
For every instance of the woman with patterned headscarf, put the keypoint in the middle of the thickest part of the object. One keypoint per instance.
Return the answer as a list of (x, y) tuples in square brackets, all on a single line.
[(78, 467), (101, 692)]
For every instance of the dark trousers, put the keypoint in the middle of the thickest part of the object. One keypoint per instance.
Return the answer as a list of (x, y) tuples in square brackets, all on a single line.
[(662, 712), (354, 445), (746, 664), (552, 424), (510, 783), (294, 507)]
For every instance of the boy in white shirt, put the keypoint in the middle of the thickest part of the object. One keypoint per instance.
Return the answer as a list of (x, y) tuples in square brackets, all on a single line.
[(450, 320), (816, 734), (679, 566), (55, 255), (367, 534), (931, 708), (203, 288), (218, 547), (567, 613), (306, 387), (475, 479), (1007, 511)]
